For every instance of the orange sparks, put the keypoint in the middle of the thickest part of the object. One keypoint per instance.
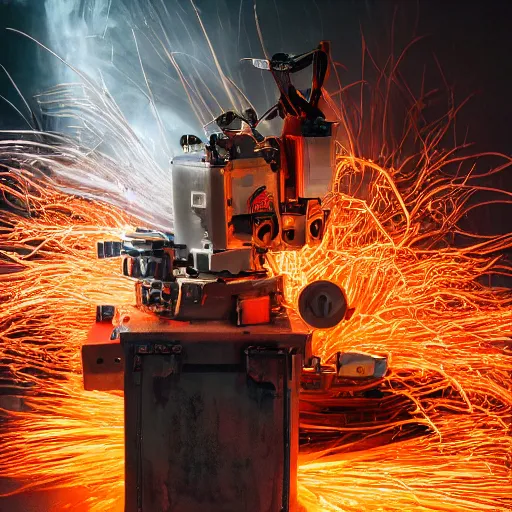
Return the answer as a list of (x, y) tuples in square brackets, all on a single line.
[(419, 298), (446, 335)]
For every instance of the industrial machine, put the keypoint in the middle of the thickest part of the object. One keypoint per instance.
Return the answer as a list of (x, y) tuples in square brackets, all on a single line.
[(213, 366)]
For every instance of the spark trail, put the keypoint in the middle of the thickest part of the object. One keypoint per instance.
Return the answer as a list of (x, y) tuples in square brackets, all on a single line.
[(447, 337), (46, 309), (417, 295)]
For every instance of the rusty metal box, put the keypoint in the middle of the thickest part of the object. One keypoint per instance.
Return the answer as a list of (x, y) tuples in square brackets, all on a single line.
[(211, 416)]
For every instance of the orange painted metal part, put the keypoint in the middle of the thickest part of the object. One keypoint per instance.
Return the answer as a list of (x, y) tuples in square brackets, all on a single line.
[(254, 311)]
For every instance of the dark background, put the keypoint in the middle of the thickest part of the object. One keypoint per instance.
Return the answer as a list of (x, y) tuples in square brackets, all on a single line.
[(471, 39)]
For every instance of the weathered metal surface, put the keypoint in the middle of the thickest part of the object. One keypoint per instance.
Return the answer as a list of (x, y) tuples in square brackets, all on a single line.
[(102, 359), (211, 418)]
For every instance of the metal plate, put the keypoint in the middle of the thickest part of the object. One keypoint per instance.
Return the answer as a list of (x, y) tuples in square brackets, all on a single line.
[(212, 426), (322, 304), (102, 360)]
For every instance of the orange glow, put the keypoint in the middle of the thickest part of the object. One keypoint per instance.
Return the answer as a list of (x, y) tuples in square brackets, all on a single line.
[(448, 343), (417, 299), (58, 435), (447, 339)]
